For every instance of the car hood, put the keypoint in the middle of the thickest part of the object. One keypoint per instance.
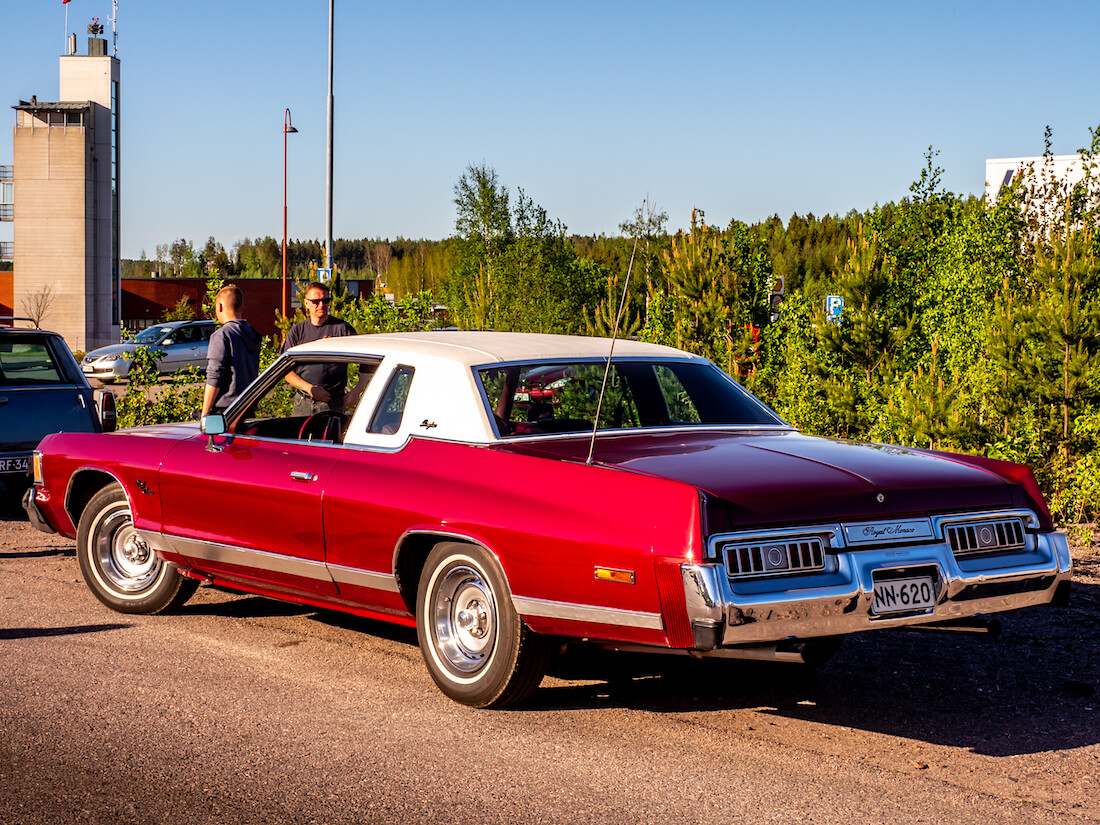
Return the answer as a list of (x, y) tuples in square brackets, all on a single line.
[(177, 432), (783, 476), (113, 349)]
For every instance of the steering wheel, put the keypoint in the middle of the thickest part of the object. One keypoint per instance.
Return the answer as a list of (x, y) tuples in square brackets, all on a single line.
[(324, 426)]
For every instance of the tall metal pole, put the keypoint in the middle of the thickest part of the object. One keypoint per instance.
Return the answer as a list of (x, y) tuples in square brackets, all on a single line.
[(288, 128), (328, 154)]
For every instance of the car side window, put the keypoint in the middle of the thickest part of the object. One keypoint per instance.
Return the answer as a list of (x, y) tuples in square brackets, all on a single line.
[(681, 409), (28, 363), (187, 335), (387, 417), (282, 412)]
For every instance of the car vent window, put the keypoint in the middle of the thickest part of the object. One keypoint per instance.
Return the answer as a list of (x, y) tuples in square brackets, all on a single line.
[(387, 418)]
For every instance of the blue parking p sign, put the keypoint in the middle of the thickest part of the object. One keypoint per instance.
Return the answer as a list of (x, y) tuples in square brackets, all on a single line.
[(834, 307), (324, 275)]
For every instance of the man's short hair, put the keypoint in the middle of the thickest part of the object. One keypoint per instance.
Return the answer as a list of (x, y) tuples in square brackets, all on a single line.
[(317, 285), (231, 296)]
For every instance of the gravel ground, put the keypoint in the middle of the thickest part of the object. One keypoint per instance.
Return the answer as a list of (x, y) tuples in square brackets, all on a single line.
[(243, 710)]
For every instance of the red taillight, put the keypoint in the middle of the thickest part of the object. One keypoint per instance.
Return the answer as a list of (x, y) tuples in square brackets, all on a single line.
[(106, 410)]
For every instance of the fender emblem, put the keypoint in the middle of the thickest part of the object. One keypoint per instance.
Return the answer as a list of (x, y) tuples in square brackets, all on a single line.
[(145, 488), (427, 425)]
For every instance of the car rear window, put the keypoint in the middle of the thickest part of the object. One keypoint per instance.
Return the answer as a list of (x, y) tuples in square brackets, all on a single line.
[(535, 399), (26, 361)]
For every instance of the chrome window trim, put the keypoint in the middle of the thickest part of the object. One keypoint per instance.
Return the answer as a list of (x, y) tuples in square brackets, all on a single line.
[(602, 361), (680, 428)]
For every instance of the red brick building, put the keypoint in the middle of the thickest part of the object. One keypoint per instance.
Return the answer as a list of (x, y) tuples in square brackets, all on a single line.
[(145, 300)]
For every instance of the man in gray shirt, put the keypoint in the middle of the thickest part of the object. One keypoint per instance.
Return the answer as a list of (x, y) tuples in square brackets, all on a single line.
[(233, 357)]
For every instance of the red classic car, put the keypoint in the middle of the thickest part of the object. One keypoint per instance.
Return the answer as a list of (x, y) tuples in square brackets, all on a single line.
[(655, 505)]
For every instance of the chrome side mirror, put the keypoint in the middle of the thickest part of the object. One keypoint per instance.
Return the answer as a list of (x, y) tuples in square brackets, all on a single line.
[(212, 424)]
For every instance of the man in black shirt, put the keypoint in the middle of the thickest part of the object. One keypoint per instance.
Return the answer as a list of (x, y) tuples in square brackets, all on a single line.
[(320, 387)]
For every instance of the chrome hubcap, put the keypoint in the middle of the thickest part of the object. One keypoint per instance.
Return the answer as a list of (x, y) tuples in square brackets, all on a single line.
[(122, 557), (464, 619)]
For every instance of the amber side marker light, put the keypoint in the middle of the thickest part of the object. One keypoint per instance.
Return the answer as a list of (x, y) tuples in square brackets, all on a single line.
[(610, 574), (36, 464)]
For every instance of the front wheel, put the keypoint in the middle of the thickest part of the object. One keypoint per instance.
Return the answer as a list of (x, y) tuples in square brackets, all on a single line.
[(118, 566), (476, 646)]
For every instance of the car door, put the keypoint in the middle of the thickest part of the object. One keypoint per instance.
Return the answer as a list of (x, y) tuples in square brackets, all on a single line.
[(182, 349), (249, 508)]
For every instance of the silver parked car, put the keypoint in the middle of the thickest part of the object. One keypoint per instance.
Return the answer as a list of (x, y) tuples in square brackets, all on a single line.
[(181, 344)]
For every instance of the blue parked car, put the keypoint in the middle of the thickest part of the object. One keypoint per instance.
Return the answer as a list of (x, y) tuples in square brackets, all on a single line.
[(42, 391)]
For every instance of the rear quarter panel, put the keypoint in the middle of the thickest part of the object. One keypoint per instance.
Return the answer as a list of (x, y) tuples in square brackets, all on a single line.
[(549, 522)]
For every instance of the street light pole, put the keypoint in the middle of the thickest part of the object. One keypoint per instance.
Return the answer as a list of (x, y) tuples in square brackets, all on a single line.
[(288, 129), (328, 155)]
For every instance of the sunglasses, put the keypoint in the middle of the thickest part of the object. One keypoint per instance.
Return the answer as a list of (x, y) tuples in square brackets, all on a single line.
[(319, 300)]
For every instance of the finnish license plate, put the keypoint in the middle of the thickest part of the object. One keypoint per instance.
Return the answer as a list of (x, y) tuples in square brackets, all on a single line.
[(19, 464), (86, 367), (903, 595)]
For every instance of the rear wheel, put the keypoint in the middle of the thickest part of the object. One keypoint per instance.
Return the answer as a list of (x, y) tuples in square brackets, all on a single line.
[(476, 647), (118, 566)]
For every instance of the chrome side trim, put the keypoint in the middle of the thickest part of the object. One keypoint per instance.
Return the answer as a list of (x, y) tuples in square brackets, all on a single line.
[(364, 578), (587, 613), (242, 556), (272, 562)]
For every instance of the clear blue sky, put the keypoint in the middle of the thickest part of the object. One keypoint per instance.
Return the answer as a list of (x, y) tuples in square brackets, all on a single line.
[(742, 109)]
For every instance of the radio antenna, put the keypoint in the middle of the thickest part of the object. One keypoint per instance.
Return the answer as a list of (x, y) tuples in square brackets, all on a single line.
[(611, 351), (113, 20)]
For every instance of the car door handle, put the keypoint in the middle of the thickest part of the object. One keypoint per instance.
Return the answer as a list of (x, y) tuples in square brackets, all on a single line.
[(298, 475)]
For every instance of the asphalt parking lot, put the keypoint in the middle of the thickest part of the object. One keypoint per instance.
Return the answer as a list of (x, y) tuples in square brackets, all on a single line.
[(238, 709)]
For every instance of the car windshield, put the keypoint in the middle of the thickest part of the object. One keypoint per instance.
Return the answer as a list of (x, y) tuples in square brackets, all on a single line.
[(150, 335), (534, 399)]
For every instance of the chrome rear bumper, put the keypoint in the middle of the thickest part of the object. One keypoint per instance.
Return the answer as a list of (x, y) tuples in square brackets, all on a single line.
[(727, 612)]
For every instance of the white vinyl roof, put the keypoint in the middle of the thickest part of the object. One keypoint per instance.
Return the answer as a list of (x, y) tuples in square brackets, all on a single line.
[(472, 348), (445, 400)]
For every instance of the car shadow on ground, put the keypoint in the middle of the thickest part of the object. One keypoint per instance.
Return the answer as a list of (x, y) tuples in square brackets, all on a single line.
[(7, 634), (1037, 688), (234, 604)]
